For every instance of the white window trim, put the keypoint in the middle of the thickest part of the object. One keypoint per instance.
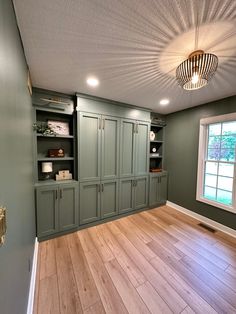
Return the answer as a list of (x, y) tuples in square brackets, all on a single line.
[(201, 162)]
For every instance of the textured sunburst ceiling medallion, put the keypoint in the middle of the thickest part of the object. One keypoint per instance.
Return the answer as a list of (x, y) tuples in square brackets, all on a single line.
[(197, 70)]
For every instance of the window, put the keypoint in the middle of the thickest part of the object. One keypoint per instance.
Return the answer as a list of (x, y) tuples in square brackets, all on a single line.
[(216, 183)]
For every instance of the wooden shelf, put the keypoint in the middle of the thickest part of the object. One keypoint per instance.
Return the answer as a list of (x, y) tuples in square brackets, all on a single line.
[(54, 136), (156, 141), (55, 158), (157, 126), (52, 182), (154, 156)]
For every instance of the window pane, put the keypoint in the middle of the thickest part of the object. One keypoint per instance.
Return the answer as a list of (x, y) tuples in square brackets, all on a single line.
[(214, 141), (213, 154), (210, 193), (211, 167), (226, 170), (210, 180), (228, 141), (224, 197), (225, 183), (215, 129), (229, 127), (227, 154)]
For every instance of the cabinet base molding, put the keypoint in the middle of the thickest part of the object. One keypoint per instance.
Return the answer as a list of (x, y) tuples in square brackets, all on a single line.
[(205, 220)]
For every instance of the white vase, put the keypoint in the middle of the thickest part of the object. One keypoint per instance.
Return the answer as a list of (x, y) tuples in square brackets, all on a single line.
[(152, 136)]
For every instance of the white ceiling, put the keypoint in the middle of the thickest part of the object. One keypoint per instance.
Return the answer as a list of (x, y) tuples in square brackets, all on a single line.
[(132, 46)]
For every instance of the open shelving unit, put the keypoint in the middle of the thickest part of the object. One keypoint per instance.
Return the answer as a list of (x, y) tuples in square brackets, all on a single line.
[(156, 148), (44, 142)]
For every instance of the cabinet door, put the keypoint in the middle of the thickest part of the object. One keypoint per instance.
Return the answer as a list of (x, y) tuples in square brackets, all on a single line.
[(109, 198), (110, 147), (141, 193), (142, 148), (154, 190), (163, 189), (126, 195), (127, 148), (47, 210), (68, 206), (89, 138), (89, 202)]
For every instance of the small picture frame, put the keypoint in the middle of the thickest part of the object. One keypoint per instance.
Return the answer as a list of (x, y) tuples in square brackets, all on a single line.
[(59, 127)]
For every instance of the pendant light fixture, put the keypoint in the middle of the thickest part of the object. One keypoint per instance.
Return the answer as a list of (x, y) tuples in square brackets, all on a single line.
[(197, 70)]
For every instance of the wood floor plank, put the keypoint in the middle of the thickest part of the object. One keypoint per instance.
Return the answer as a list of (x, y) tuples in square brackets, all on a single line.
[(188, 310), (110, 298), (101, 245), (139, 232), (48, 301), (220, 274), (231, 270), (85, 283), (168, 294), (96, 308), (198, 304), (152, 299), (132, 272), (228, 294), (128, 293), (195, 281), (208, 251), (150, 230), (69, 296), (133, 237), (48, 261)]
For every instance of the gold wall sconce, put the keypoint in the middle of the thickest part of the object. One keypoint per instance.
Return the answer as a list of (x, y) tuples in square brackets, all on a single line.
[(3, 225)]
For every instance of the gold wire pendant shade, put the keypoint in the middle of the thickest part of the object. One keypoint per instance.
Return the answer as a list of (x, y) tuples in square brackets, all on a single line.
[(197, 70)]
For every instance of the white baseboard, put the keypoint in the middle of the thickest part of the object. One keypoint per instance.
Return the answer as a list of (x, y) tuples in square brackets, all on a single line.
[(30, 306), (207, 221)]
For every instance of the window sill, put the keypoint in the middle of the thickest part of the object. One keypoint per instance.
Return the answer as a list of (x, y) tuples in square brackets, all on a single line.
[(216, 204)]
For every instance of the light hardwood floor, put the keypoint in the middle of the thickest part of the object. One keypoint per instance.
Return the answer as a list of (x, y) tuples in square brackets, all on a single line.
[(157, 261)]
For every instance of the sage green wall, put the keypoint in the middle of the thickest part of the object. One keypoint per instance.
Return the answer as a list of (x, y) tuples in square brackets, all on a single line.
[(16, 177), (181, 154)]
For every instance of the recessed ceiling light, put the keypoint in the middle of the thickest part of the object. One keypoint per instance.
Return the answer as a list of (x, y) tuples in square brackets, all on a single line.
[(92, 81), (164, 102)]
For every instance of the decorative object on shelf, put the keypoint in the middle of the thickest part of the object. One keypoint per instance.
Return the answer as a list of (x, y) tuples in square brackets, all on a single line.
[(56, 152), (3, 224), (155, 155), (63, 175), (56, 100), (43, 128), (46, 169), (154, 149), (59, 127), (197, 70), (156, 170), (158, 122), (152, 136)]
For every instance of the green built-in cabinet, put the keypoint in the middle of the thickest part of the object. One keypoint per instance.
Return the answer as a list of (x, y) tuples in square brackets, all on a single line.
[(98, 146), (133, 194), (134, 146), (157, 188), (57, 208), (107, 151), (98, 200)]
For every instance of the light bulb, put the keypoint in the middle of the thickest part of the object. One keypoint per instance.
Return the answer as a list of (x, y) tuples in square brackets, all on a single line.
[(92, 81), (195, 78)]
